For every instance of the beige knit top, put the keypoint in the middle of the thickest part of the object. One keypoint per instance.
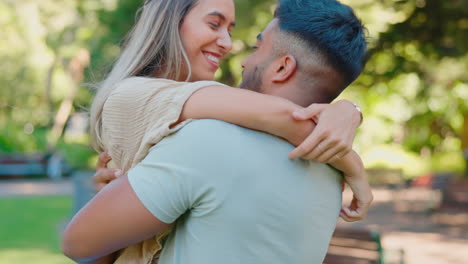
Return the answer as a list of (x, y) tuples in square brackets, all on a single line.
[(135, 117), (139, 113)]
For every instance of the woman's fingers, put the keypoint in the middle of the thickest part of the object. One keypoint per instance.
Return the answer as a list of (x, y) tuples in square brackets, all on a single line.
[(322, 145), (334, 133), (345, 217), (102, 177), (330, 153), (310, 112), (309, 147), (332, 137), (357, 210), (106, 175), (351, 215), (103, 159)]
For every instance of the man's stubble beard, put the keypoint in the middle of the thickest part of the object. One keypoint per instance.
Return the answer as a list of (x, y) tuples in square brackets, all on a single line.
[(253, 81)]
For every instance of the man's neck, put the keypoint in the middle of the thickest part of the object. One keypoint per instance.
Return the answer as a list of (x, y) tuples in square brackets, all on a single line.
[(292, 92)]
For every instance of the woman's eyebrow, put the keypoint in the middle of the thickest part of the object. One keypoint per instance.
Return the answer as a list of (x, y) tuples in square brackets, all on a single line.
[(221, 16)]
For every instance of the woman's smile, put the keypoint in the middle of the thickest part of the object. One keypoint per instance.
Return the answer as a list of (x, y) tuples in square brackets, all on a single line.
[(212, 58)]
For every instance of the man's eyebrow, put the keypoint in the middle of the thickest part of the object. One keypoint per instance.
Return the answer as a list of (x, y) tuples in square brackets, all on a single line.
[(222, 17)]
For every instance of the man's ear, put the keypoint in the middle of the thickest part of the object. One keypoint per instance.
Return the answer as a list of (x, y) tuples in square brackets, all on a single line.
[(285, 68)]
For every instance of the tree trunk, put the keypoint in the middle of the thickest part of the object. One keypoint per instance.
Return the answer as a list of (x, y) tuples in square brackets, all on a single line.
[(76, 71), (464, 137)]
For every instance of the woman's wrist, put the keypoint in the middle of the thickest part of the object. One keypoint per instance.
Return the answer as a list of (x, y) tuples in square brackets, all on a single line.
[(357, 117), (351, 165), (285, 126)]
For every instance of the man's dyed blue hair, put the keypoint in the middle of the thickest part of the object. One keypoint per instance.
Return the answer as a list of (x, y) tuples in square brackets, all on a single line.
[(330, 27)]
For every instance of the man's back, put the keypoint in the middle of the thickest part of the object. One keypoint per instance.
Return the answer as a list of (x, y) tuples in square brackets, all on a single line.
[(237, 197)]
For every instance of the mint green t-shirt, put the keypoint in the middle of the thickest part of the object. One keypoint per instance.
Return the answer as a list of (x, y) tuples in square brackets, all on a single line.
[(237, 198)]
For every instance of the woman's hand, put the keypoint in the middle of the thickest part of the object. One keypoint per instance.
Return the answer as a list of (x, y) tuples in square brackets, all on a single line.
[(361, 202), (333, 136), (104, 175)]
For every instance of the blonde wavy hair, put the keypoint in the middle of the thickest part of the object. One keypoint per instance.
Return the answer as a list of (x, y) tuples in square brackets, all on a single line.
[(152, 48)]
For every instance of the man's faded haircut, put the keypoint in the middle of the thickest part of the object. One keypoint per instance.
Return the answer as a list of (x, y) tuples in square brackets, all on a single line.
[(329, 28)]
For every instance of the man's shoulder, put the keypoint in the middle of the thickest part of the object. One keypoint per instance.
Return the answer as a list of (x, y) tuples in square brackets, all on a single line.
[(215, 130), (215, 136), (208, 125), (208, 129), (203, 133)]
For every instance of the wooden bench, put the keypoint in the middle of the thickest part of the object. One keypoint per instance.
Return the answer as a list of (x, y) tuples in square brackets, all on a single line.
[(14, 165), (389, 178), (453, 208), (455, 197), (354, 246)]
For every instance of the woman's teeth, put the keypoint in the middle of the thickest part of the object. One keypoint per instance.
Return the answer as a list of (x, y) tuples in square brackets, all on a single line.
[(213, 58)]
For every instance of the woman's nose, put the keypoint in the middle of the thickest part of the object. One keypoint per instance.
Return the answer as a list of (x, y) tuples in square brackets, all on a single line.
[(225, 41)]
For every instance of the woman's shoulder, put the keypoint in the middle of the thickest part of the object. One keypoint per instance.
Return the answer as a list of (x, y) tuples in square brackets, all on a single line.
[(137, 82), (146, 85)]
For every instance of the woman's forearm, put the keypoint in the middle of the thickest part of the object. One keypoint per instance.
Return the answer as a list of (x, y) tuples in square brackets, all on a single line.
[(351, 165), (249, 109)]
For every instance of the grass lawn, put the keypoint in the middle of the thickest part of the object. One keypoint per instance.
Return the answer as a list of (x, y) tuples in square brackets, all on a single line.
[(30, 229)]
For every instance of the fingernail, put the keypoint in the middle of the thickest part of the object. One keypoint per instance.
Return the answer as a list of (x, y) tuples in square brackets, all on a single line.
[(118, 173), (299, 114)]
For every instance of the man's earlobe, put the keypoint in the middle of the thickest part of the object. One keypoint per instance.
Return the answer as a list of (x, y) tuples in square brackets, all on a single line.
[(285, 69)]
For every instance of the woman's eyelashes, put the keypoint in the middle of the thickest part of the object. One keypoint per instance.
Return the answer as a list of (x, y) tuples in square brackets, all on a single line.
[(214, 25)]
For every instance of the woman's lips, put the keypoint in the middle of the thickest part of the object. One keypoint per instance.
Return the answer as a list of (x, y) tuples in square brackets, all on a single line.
[(212, 58)]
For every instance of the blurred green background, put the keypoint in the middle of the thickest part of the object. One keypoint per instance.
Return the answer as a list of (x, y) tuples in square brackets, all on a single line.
[(413, 92)]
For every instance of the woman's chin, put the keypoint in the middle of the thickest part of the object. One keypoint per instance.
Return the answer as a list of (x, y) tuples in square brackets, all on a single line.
[(202, 77)]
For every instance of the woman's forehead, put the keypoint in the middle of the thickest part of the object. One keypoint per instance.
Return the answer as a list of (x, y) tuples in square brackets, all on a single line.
[(224, 9)]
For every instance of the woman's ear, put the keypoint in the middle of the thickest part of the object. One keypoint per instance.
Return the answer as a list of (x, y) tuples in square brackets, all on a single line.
[(285, 68)]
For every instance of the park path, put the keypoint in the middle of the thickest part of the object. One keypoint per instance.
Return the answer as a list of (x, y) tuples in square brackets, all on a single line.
[(35, 187), (404, 219)]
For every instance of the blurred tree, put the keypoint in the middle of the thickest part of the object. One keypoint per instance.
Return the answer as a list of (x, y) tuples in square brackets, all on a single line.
[(414, 89), (43, 53)]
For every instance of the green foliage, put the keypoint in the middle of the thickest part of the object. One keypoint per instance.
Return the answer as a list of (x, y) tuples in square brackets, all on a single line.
[(78, 156), (18, 139)]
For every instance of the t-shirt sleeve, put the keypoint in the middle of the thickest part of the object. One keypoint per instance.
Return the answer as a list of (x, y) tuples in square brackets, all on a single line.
[(161, 187)]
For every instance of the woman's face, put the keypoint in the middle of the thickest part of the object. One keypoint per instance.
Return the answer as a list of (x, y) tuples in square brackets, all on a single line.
[(205, 33)]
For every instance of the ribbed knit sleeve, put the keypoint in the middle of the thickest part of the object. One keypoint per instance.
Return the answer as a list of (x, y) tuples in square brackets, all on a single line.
[(139, 113)]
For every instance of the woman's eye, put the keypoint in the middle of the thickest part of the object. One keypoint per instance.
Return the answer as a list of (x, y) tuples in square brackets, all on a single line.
[(214, 25), (254, 47)]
